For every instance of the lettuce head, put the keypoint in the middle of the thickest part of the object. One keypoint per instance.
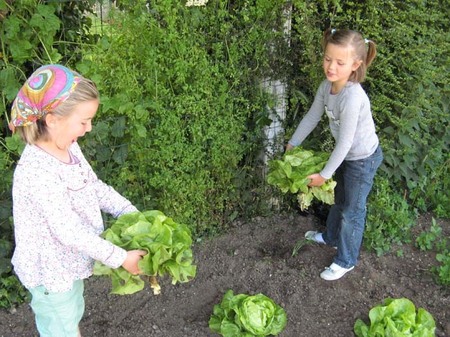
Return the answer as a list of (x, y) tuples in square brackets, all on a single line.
[(245, 315)]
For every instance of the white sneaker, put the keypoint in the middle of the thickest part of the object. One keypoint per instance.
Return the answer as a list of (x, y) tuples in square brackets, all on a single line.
[(315, 236), (334, 272)]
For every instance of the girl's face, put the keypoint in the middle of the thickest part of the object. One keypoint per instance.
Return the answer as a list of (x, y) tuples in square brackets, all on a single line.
[(338, 65), (69, 129)]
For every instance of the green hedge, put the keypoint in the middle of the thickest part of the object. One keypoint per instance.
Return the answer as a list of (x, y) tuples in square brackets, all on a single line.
[(180, 127), (186, 85)]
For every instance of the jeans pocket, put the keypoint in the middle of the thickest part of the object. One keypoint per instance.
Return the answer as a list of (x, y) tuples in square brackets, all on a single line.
[(376, 159)]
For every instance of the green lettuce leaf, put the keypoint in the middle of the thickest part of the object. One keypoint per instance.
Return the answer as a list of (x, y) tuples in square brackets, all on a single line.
[(168, 245), (396, 318), (247, 316), (291, 175)]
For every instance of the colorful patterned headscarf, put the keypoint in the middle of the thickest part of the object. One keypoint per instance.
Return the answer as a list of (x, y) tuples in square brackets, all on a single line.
[(45, 89)]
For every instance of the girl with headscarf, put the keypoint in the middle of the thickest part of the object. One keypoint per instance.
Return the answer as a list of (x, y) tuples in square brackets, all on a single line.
[(58, 199)]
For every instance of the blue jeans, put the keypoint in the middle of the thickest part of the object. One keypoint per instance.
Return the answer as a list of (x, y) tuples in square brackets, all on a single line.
[(347, 217)]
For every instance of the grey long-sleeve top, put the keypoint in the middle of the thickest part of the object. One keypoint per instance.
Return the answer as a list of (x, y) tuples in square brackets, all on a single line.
[(350, 120)]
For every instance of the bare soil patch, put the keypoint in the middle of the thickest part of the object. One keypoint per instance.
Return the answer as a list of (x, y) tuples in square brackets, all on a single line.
[(256, 257)]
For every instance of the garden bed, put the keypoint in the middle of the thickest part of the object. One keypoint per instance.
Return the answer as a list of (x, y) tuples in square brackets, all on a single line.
[(256, 257)]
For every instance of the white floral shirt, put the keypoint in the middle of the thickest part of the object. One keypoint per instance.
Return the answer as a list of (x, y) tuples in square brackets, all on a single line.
[(58, 221)]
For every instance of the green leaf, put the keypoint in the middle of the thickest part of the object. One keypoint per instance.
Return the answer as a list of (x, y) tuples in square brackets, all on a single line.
[(14, 143), (245, 315), (291, 175), (124, 283), (425, 320), (140, 227), (45, 19), (168, 246), (396, 318), (215, 322), (118, 128), (229, 329), (324, 195), (141, 131), (361, 329), (120, 154), (9, 82), (21, 51)]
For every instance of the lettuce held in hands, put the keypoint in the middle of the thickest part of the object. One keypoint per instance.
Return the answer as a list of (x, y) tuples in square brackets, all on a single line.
[(324, 193), (291, 175), (247, 316), (168, 246)]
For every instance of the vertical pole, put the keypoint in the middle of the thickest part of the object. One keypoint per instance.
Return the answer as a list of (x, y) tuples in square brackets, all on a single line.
[(278, 90)]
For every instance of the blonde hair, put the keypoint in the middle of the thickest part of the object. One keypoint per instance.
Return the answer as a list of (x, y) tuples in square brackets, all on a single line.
[(85, 90), (363, 50)]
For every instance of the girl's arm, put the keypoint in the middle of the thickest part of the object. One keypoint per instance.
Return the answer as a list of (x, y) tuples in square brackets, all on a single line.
[(350, 109), (111, 201), (311, 119)]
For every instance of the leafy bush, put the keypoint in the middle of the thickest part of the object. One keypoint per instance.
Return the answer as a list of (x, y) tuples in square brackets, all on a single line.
[(12, 292), (430, 195), (396, 317), (443, 270), (182, 116), (247, 316), (427, 239), (389, 218), (432, 239)]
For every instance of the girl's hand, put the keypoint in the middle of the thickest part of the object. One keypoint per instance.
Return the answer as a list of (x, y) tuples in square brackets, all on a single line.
[(316, 180), (131, 262), (288, 147)]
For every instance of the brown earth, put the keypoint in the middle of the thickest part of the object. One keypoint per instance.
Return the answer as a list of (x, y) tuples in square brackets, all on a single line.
[(256, 257)]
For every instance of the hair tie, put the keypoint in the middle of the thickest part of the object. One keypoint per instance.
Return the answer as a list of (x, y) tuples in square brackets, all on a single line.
[(333, 31), (366, 41)]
